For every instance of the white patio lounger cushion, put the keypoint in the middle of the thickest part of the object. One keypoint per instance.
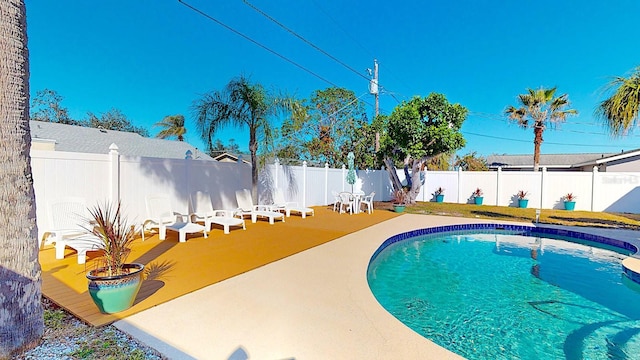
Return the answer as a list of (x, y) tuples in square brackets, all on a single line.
[(161, 216), (245, 204), (202, 210), (289, 206)]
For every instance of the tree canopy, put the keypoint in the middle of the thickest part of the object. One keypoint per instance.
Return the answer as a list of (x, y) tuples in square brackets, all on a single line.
[(619, 112), (537, 109), (172, 126), (326, 127), (241, 104), (416, 131), (114, 119)]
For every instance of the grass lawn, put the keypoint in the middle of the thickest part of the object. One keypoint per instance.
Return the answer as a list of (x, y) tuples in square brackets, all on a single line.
[(559, 217)]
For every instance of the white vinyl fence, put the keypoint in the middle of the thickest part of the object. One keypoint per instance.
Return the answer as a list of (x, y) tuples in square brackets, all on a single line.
[(99, 178)]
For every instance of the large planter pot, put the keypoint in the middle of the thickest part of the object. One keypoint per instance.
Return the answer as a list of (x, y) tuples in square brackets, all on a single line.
[(439, 198), (398, 208), (113, 294), (569, 205), (523, 203), (478, 200)]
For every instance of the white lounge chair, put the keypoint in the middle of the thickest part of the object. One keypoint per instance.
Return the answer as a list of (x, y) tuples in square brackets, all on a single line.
[(245, 204), (69, 220), (202, 210), (161, 217), (289, 206)]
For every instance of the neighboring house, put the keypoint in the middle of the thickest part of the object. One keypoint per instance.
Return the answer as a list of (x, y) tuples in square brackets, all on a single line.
[(554, 162), (226, 157), (71, 138)]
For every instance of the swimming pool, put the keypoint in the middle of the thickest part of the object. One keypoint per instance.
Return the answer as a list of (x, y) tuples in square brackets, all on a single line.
[(515, 293)]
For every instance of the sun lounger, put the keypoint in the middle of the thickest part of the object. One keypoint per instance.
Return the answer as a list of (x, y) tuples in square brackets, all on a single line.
[(288, 206), (202, 210), (246, 207)]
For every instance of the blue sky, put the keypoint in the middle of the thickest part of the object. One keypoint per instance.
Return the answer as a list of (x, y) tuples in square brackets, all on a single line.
[(152, 58)]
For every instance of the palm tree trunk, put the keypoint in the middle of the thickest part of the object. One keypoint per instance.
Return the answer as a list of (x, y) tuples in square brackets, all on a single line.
[(253, 150), (537, 131), (21, 319)]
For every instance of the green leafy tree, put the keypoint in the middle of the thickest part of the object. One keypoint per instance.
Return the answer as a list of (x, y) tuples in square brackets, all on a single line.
[(441, 162), (620, 111), (538, 108), (21, 314), (418, 130), (328, 125), (218, 147), (47, 106), (241, 104), (471, 162), (173, 127), (114, 119)]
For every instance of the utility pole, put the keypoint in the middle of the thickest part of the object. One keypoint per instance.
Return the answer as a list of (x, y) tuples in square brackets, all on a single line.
[(373, 90)]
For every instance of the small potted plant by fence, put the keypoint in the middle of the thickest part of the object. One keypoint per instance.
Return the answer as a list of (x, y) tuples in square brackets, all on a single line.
[(400, 200), (114, 284), (569, 201), (523, 202), (477, 196), (439, 194)]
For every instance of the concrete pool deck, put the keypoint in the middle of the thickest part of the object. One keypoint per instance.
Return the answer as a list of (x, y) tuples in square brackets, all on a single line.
[(312, 305)]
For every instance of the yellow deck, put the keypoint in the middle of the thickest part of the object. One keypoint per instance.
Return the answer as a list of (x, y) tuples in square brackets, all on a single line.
[(174, 269)]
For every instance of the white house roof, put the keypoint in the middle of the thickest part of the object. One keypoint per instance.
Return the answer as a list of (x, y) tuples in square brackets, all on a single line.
[(612, 157), (557, 161), (73, 138)]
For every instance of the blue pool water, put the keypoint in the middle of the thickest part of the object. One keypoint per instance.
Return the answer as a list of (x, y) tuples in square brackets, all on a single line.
[(505, 296)]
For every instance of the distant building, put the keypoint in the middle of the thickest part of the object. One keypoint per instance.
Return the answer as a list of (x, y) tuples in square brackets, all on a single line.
[(625, 161), (226, 157), (61, 137)]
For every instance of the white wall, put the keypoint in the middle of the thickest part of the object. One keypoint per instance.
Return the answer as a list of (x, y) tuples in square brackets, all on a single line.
[(99, 178)]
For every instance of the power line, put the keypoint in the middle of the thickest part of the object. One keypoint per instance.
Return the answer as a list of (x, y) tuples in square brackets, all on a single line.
[(529, 141), (262, 46), (255, 42), (304, 40), (308, 42)]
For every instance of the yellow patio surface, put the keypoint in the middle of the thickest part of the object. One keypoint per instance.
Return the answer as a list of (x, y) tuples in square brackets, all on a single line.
[(174, 269)]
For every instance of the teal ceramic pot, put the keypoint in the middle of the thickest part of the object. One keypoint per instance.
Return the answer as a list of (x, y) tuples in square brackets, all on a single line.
[(113, 294), (478, 200), (523, 203), (399, 208), (439, 198), (569, 205)]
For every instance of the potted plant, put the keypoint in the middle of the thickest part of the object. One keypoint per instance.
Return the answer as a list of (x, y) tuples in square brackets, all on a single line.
[(439, 194), (400, 200), (569, 201), (113, 284), (477, 196), (522, 199)]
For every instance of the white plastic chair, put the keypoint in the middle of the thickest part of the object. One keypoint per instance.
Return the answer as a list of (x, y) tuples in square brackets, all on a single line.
[(347, 200), (246, 207), (336, 200), (289, 206), (201, 209), (368, 201)]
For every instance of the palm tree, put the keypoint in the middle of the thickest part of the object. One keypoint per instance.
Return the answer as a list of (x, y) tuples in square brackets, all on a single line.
[(537, 108), (21, 324), (620, 111), (240, 104), (173, 127)]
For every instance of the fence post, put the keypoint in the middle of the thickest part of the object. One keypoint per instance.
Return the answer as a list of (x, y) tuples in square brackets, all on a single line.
[(498, 175), (277, 170), (188, 156), (343, 175), (543, 175), (326, 183), (594, 174), (304, 184), (459, 185), (114, 173)]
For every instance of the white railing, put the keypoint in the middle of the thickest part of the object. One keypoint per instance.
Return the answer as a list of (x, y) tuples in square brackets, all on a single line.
[(99, 178)]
